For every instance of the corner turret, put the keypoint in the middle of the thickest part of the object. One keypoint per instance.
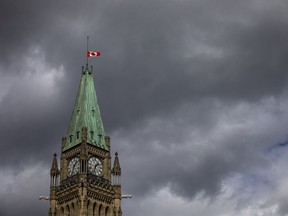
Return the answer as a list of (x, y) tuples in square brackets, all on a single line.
[(116, 182), (54, 175)]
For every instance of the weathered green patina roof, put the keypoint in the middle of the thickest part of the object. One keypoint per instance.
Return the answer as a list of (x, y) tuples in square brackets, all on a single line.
[(86, 113)]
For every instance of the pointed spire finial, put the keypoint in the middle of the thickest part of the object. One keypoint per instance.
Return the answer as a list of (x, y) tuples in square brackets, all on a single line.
[(116, 167), (54, 168)]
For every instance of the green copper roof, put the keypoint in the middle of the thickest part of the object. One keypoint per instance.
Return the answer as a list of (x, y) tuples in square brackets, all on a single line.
[(86, 113)]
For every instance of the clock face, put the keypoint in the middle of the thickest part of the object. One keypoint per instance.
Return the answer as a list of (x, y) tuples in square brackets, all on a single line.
[(73, 166), (95, 166)]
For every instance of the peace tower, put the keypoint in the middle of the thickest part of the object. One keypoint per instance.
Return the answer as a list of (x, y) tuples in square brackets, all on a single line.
[(85, 185)]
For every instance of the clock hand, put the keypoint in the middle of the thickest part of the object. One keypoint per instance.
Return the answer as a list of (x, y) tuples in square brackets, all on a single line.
[(73, 167)]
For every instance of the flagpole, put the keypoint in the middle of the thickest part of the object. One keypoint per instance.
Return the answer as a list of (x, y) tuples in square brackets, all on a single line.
[(87, 52)]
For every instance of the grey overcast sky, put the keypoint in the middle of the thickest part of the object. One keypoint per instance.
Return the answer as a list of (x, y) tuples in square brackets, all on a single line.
[(193, 94)]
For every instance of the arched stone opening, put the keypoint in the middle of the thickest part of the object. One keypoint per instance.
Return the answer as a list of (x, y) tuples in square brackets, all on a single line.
[(107, 211), (63, 211), (94, 210), (68, 210), (100, 210)]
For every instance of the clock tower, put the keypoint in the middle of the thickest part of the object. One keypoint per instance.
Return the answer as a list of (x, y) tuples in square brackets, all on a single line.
[(86, 184)]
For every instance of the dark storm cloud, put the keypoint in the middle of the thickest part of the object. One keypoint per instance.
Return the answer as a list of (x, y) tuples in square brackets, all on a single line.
[(157, 56), (153, 57), (190, 156), (146, 43), (23, 186)]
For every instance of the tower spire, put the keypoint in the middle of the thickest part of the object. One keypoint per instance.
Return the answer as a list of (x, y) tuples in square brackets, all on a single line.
[(86, 114)]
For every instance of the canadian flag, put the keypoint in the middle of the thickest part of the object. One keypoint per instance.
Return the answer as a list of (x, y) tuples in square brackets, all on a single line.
[(93, 54)]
